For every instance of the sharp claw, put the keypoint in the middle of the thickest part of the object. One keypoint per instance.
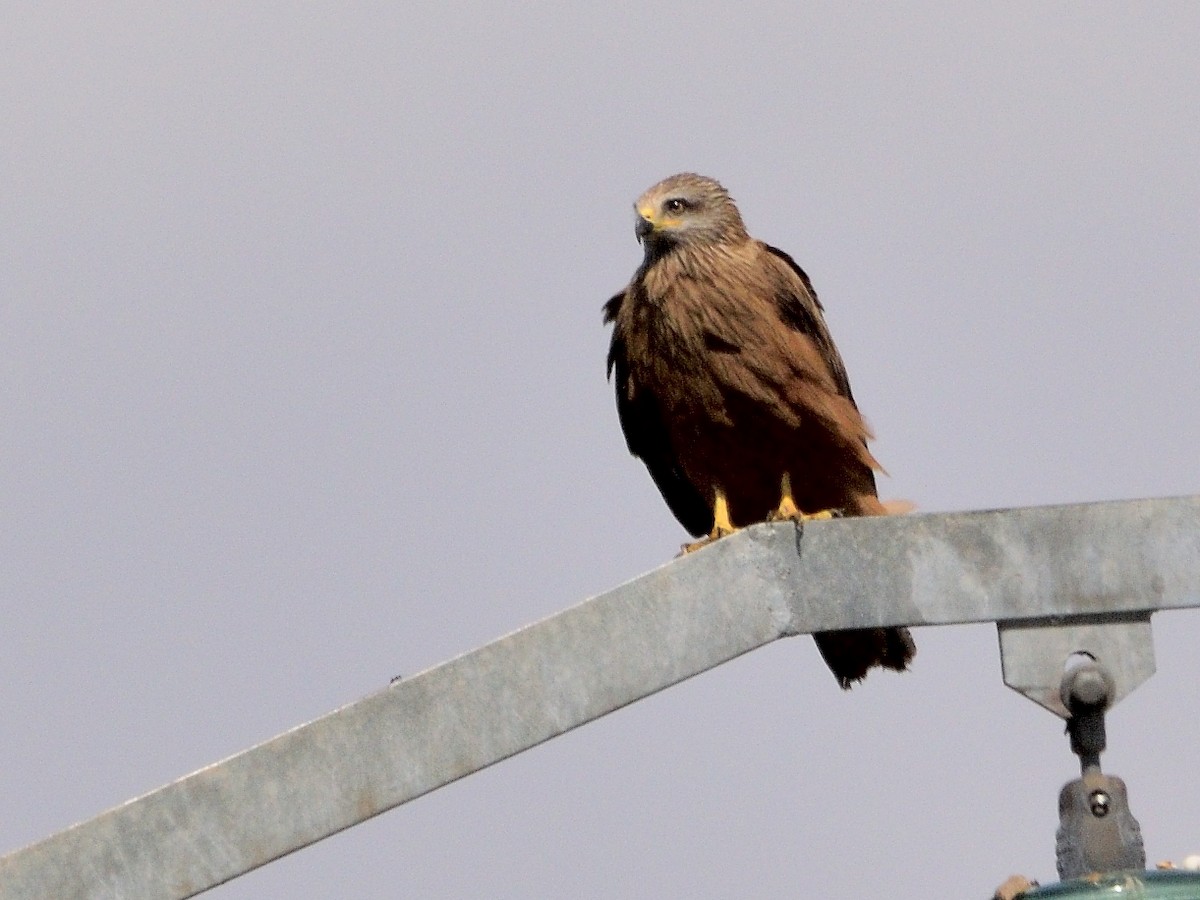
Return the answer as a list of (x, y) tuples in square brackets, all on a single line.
[(782, 515)]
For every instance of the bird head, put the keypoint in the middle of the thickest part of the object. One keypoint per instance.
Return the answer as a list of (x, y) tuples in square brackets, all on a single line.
[(689, 210)]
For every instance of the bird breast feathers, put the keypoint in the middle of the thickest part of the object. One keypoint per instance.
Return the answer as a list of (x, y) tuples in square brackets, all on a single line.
[(704, 327), (722, 302)]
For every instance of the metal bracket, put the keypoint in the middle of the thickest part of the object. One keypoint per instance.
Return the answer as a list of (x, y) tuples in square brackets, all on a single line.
[(1038, 568), (1034, 654)]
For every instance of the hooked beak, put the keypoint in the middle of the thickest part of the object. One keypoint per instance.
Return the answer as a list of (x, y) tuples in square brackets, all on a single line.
[(643, 229)]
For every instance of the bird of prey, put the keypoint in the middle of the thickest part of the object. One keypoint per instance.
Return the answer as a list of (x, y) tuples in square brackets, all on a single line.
[(731, 391)]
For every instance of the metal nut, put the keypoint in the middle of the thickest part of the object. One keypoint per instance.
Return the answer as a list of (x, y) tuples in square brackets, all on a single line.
[(1100, 803)]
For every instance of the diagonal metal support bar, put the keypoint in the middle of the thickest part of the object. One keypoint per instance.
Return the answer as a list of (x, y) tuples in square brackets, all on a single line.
[(1044, 565)]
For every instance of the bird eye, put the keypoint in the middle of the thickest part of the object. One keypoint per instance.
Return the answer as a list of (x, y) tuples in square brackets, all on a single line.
[(675, 205)]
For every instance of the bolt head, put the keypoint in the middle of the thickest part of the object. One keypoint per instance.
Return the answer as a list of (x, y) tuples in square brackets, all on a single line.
[(1100, 803)]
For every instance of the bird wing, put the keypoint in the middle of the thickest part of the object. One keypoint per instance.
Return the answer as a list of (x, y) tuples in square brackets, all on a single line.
[(647, 436), (801, 309)]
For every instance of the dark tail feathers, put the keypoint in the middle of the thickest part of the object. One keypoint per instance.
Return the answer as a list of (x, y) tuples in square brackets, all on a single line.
[(851, 654)]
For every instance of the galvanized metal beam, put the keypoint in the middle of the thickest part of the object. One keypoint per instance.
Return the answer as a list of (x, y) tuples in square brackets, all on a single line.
[(1040, 565)]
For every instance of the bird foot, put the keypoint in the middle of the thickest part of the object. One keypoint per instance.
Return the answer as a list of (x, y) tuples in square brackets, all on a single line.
[(788, 511), (717, 533)]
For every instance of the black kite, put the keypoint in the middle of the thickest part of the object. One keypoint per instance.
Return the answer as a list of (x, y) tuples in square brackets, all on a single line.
[(731, 390)]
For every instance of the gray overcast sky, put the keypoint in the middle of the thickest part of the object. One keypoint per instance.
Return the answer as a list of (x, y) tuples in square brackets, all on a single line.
[(302, 384)]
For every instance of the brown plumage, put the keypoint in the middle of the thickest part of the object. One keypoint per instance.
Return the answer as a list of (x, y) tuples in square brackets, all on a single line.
[(731, 390)]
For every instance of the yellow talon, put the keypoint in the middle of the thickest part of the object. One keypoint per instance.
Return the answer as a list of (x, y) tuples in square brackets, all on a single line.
[(788, 509), (722, 526)]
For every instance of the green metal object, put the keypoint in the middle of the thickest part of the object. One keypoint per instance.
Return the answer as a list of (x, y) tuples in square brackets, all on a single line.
[(1153, 885)]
